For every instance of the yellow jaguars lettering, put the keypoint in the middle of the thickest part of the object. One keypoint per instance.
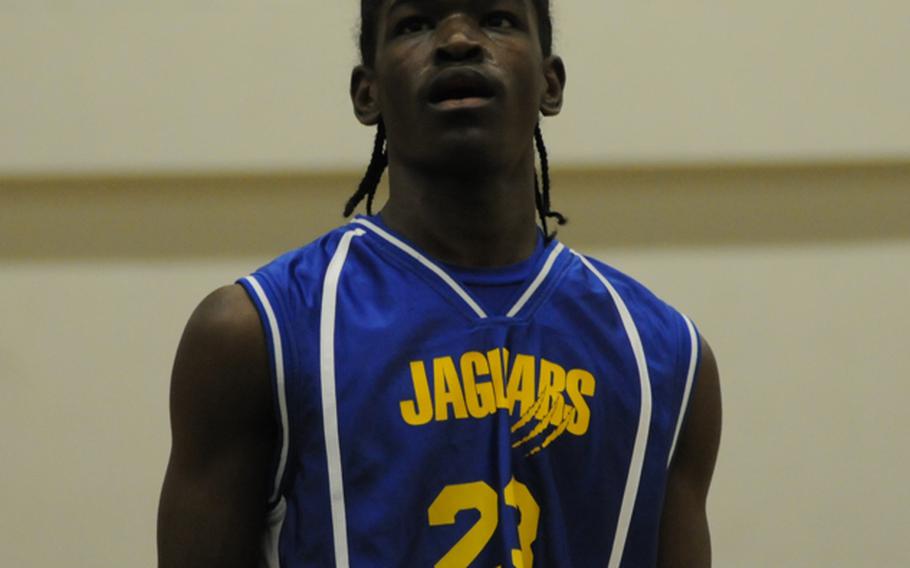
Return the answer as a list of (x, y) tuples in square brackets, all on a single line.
[(498, 360), (551, 386), (521, 384), (579, 384), (477, 384), (479, 397), (447, 389), (419, 411)]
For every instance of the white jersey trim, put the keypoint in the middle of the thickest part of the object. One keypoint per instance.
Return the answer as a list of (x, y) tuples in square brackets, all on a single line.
[(278, 359), (273, 525), (427, 263), (690, 378), (644, 421), (329, 398), (541, 276)]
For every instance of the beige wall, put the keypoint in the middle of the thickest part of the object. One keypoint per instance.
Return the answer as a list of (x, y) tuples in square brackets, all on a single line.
[(798, 276), (130, 86), (131, 135)]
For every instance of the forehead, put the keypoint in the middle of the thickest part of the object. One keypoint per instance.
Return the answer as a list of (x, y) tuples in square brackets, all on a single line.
[(389, 5)]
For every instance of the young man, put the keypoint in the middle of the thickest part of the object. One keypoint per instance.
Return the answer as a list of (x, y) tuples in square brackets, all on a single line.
[(443, 384)]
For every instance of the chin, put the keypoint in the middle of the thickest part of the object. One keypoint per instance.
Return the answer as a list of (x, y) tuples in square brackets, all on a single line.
[(466, 150)]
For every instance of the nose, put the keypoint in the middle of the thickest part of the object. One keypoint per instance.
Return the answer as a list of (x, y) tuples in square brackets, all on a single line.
[(458, 43)]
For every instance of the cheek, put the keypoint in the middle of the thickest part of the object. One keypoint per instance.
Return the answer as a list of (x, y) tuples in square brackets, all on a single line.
[(398, 85), (526, 72), (529, 88)]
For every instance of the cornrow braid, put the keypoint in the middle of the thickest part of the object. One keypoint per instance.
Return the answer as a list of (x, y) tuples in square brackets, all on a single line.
[(373, 176), (538, 199), (543, 196)]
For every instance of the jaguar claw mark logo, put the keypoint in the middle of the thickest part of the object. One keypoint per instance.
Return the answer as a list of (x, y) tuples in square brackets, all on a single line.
[(549, 399), (549, 423)]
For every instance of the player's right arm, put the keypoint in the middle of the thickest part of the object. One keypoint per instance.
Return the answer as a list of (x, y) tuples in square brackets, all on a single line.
[(213, 504)]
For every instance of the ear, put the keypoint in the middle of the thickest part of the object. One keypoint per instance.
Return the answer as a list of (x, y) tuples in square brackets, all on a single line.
[(554, 72), (363, 96)]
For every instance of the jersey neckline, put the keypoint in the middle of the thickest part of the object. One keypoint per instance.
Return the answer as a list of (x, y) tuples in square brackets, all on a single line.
[(542, 262), (511, 274)]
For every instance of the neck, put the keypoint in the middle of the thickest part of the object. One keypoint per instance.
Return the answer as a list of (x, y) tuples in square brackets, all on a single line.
[(479, 219)]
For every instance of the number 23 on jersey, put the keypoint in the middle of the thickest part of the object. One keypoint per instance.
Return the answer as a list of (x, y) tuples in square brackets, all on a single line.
[(479, 496)]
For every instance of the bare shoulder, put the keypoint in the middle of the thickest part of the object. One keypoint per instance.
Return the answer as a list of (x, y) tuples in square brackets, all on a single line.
[(699, 440), (223, 438), (684, 534), (227, 314), (223, 353), (704, 422)]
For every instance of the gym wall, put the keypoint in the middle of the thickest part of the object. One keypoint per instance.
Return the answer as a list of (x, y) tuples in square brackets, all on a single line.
[(749, 162)]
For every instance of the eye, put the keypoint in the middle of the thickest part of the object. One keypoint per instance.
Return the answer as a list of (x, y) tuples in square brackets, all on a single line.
[(413, 25), (502, 20)]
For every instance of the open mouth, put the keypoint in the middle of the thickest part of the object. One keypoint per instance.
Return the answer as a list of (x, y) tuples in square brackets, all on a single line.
[(461, 89)]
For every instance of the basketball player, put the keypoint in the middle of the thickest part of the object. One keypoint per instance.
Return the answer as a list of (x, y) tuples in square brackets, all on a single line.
[(445, 383)]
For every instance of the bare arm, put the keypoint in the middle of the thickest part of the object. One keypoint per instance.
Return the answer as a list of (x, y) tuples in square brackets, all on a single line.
[(685, 541), (213, 503)]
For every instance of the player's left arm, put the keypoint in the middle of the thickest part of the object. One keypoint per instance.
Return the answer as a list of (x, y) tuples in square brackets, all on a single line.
[(685, 540)]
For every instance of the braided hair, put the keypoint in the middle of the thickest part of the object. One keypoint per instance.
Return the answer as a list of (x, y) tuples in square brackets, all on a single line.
[(371, 179), (380, 158)]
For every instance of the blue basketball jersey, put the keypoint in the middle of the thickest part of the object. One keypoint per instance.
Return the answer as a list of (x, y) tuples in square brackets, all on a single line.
[(420, 429)]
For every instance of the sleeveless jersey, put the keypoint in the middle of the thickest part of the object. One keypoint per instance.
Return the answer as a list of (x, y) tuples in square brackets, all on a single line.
[(417, 429)]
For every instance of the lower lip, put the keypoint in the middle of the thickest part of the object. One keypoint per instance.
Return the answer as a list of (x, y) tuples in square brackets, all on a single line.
[(462, 104)]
